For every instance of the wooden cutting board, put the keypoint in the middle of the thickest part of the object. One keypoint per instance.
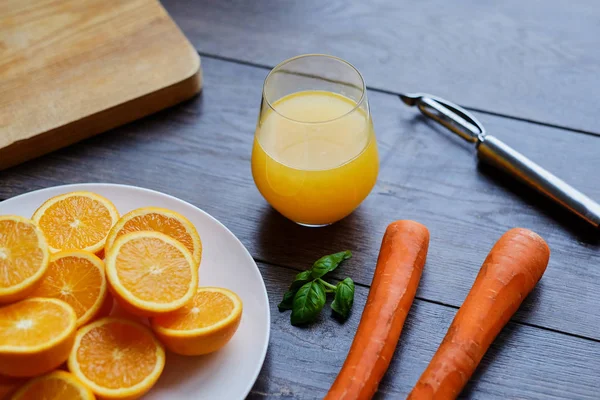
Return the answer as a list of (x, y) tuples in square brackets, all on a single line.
[(72, 69)]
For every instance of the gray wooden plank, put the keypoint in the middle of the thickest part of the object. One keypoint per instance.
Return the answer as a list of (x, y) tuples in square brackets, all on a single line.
[(523, 363), (533, 59), (475, 206), (200, 152)]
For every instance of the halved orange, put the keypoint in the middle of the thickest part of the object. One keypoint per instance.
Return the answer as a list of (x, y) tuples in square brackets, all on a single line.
[(36, 336), (77, 278), (202, 326), (76, 221), (160, 220), (57, 385), (24, 257), (9, 385), (117, 358), (150, 273)]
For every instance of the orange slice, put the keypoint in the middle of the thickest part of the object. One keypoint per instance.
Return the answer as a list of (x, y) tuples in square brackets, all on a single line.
[(57, 385), (36, 336), (117, 358), (24, 257), (150, 273), (76, 220), (77, 278), (202, 326), (161, 220), (8, 385)]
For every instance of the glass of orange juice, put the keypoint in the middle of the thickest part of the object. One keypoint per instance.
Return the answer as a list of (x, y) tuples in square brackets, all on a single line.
[(315, 156)]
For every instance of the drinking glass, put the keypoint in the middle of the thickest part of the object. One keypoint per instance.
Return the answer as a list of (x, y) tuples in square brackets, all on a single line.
[(315, 156)]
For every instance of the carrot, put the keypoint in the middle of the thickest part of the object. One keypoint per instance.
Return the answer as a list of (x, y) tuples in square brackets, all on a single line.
[(399, 266), (509, 273)]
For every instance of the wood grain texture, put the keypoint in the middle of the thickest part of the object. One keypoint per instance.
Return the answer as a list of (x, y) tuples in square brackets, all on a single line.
[(71, 69), (535, 59), (200, 152), (522, 363)]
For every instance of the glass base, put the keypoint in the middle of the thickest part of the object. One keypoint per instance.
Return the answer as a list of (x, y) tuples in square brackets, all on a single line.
[(313, 226)]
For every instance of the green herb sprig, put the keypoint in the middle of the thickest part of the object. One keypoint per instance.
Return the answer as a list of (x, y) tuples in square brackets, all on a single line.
[(307, 294)]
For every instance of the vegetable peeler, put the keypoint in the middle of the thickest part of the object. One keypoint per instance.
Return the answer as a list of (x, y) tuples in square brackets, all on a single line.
[(493, 151)]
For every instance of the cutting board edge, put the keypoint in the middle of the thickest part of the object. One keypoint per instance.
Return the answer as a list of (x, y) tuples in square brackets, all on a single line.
[(101, 121)]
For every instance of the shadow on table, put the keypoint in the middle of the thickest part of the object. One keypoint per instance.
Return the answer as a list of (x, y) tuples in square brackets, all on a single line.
[(531, 304), (578, 228), (571, 223), (501, 342), (504, 339), (284, 242)]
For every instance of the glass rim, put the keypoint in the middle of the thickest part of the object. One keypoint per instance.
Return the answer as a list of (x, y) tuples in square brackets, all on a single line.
[(363, 87)]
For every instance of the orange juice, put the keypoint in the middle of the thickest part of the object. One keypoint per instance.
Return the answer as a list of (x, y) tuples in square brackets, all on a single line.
[(315, 156)]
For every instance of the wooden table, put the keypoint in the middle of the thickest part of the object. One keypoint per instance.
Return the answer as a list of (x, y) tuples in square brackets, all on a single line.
[(527, 70)]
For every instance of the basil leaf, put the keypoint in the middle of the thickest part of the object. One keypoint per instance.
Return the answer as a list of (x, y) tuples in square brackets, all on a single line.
[(344, 297), (300, 279), (308, 303), (328, 263), (287, 302), (288, 298)]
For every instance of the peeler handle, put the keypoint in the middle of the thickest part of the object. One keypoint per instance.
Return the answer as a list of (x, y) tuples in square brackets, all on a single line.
[(497, 153)]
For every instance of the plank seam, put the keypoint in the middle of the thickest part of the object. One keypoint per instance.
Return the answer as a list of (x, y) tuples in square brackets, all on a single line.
[(397, 94), (442, 304)]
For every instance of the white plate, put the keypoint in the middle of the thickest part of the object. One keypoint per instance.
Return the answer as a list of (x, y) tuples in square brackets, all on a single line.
[(231, 372)]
